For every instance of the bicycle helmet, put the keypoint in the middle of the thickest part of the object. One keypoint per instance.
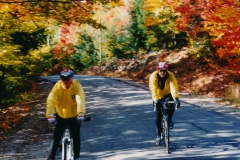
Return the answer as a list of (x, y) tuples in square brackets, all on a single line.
[(162, 66), (66, 73)]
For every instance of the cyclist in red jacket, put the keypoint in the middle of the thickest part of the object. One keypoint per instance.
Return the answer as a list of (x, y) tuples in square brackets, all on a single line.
[(67, 98)]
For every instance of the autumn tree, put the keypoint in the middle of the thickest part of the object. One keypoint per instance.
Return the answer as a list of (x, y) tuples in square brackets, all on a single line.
[(160, 22), (117, 31), (24, 28), (219, 19)]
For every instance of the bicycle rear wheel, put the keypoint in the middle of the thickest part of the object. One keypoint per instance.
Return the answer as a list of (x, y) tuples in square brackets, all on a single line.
[(166, 136)]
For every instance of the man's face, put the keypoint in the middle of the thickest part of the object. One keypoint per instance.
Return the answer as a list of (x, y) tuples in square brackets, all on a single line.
[(162, 73), (67, 82)]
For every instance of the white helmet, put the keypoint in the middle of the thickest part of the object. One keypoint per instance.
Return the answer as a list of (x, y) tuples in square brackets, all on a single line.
[(162, 66)]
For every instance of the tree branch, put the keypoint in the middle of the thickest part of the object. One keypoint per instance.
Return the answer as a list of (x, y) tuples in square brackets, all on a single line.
[(25, 1)]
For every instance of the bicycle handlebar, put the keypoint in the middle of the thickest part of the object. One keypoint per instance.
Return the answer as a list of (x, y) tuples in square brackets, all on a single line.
[(87, 119), (169, 102)]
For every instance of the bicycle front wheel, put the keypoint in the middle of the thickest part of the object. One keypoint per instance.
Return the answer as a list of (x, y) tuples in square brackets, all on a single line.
[(166, 136), (64, 150)]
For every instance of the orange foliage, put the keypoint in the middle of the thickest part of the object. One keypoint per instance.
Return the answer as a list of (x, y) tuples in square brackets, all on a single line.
[(11, 116), (117, 16), (33, 88), (218, 18)]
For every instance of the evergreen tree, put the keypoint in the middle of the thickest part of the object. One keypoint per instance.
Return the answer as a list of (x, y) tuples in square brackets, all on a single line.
[(137, 28), (85, 54)]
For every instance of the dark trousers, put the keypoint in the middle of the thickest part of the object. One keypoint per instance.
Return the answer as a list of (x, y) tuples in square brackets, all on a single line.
[(159, 113), (58, 133)]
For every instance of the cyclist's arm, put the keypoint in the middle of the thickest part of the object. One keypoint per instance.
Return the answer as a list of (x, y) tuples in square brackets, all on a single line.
[(80, 99), (51, 102), (173, 86), (153, 83)]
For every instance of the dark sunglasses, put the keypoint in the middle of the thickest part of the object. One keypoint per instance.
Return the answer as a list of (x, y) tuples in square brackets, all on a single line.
[(163, 70), (65, 79)]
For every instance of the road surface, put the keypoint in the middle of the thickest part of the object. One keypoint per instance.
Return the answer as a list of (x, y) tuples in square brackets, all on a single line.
[(122, 126)]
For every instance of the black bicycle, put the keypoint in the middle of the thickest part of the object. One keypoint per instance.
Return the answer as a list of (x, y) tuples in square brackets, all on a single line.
[(165, 125)]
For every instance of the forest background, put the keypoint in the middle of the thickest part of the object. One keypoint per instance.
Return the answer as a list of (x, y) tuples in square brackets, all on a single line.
[(41, 37)]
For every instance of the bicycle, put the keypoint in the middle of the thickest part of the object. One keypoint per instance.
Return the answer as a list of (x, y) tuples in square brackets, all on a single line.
[(67, 143), (165, 125)]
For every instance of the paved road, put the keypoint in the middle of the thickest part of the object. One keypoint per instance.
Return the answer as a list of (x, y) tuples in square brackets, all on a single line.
[(122, 126)]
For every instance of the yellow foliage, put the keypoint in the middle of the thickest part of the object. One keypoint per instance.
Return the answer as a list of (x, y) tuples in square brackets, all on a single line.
[(151, 21)]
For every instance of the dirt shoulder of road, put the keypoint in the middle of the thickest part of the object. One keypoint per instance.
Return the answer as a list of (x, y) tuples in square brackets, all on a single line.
[(32, 130)]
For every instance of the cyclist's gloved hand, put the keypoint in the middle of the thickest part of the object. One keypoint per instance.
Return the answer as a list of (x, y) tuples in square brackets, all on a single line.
[(80, 118), (51, 120), (157, 101), (176, 102)]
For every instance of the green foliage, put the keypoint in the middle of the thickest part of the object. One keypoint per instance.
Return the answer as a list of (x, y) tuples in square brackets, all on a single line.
[(119, 43), (13, 80), (137, 28), (17, 66), (161, 27), (85, 54), (120, 54), (16, 71), (201, 47), (27, 40), (41, 60)]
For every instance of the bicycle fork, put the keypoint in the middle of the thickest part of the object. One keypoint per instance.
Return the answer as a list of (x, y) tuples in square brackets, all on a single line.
[(164, 119), (67, 151)]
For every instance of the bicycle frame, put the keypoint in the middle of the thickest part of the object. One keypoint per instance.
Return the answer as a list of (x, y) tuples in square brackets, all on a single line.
[(67, 146), (67, 143), (164, 114), (166, 107), (165, 125)]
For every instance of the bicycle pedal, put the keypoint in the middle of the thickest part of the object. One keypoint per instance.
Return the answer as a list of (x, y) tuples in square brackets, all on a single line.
[(171, 126), (159, 143)]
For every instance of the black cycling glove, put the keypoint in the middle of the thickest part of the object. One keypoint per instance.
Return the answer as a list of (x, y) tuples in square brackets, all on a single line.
[(176, 102)]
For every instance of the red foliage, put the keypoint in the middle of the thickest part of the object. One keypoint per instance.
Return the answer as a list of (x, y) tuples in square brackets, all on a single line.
[(33, 88), (68, 36), (219, 18)]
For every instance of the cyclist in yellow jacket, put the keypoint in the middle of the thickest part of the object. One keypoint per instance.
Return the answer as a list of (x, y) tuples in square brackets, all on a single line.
[(163, 87), (67, 99)]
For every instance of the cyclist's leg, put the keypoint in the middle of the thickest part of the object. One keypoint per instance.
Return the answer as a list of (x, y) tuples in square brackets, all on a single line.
[(171, 111), (75, 132), (158, 120), (58, 132)]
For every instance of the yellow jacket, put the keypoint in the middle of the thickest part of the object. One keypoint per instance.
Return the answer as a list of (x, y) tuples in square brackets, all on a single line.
[(171, 86), (67, 102)]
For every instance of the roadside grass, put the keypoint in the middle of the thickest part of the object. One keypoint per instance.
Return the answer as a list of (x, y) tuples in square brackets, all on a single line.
[(233, 94)]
